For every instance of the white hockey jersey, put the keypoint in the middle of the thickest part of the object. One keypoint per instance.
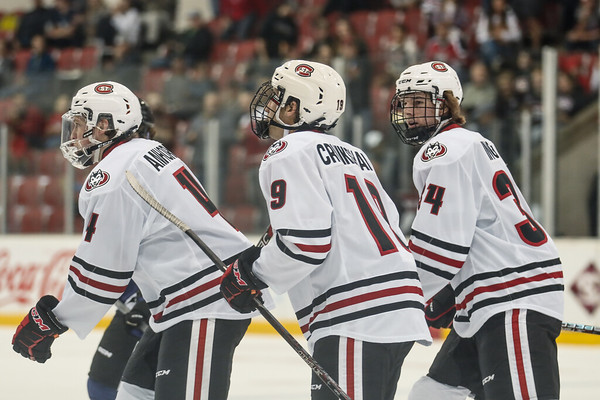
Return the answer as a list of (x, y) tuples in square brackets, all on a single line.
[(337, 249), (124, 238), (474, 229)]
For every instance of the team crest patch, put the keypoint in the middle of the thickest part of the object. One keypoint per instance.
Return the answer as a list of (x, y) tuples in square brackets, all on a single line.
[(104, 88), (433, 150), (275, 148), (304, 70), (438, 66), (96, 179)]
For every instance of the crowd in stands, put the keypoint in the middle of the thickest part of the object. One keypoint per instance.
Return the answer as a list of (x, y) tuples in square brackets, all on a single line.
[(210, 69)]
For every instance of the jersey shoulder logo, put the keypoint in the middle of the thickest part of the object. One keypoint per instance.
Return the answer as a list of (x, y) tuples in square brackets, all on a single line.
[(96, 179), (275, 148), (433, 150)]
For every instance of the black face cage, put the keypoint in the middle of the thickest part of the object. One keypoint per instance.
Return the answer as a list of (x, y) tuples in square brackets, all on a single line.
[(263, 107), (405, 127)]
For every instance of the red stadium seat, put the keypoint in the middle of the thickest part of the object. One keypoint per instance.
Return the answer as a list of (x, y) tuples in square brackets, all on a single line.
[(55, 222), (29, 192), (153, 80), (21, 59), (51, 162), (68, 59), (89, 58), (53, 192)]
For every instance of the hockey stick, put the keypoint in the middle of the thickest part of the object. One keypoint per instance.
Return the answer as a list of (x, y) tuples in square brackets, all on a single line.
[(593, 330), (312, 363)]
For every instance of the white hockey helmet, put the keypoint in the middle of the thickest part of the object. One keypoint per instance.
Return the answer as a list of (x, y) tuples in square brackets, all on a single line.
[(434, 77), (108, 100), (319, 89)]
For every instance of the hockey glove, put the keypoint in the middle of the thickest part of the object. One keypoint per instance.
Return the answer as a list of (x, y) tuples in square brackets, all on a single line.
[(239, 285), (136, 320), (37, 331), (440, 310)]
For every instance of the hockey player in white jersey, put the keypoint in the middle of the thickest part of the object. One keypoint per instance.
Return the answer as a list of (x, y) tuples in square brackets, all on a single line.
[(336, 249), (187, 353), (489, 263)]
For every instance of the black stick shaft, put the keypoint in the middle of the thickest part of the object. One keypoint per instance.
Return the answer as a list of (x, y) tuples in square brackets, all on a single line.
[(284, 333)]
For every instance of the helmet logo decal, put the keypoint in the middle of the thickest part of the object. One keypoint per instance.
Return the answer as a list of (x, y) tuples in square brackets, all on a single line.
[(304, 70), (104, 88), (433, 150), (440, 67), (97, 179), (275, 148)]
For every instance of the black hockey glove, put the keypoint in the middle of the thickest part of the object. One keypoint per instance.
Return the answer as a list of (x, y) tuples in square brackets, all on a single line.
[(136, 320), (37, 331), (239, 285), (440, 310)]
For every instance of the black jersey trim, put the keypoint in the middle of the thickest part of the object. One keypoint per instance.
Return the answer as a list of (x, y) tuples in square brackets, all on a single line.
[(507, 298), (101, 271), (504, 272), (305, 259), (317, 301), (435, 271), (190, 308), (440, 243), (190, 280), (352, 316), (91, 296), (316, 233)]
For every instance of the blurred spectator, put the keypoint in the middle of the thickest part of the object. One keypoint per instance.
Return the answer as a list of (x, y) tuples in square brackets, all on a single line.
[(479, 98), (280, 31), (443, 48), (156, 25), (571, 98), (344, 33), (357, 74), (64, 27), (40, 64), (200, 82), (164, 124), (127, 22), (27, 121), (32, 23), (178, 95), (318, 33), (98, 25), (239, 17), (399, 51), (197, 40), (7, 63), (199, 128), (450, 12), (523, 67), (585, 35), (530, 13), (324, 53), (53, 126), (507, 112), (350, 6), (498, 34)]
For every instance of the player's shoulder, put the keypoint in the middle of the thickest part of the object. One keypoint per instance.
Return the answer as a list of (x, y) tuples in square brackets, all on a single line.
[(294, 144), (109, 173), (449, 146)]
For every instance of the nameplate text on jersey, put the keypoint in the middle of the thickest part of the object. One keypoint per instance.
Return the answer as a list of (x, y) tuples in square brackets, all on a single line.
[(331, 154), (159, 157)]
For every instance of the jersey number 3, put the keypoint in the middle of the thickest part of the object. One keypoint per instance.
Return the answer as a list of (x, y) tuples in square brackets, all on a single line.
[(529, 230)]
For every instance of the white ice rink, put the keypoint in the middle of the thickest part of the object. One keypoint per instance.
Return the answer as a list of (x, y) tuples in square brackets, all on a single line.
[(265, 368)]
